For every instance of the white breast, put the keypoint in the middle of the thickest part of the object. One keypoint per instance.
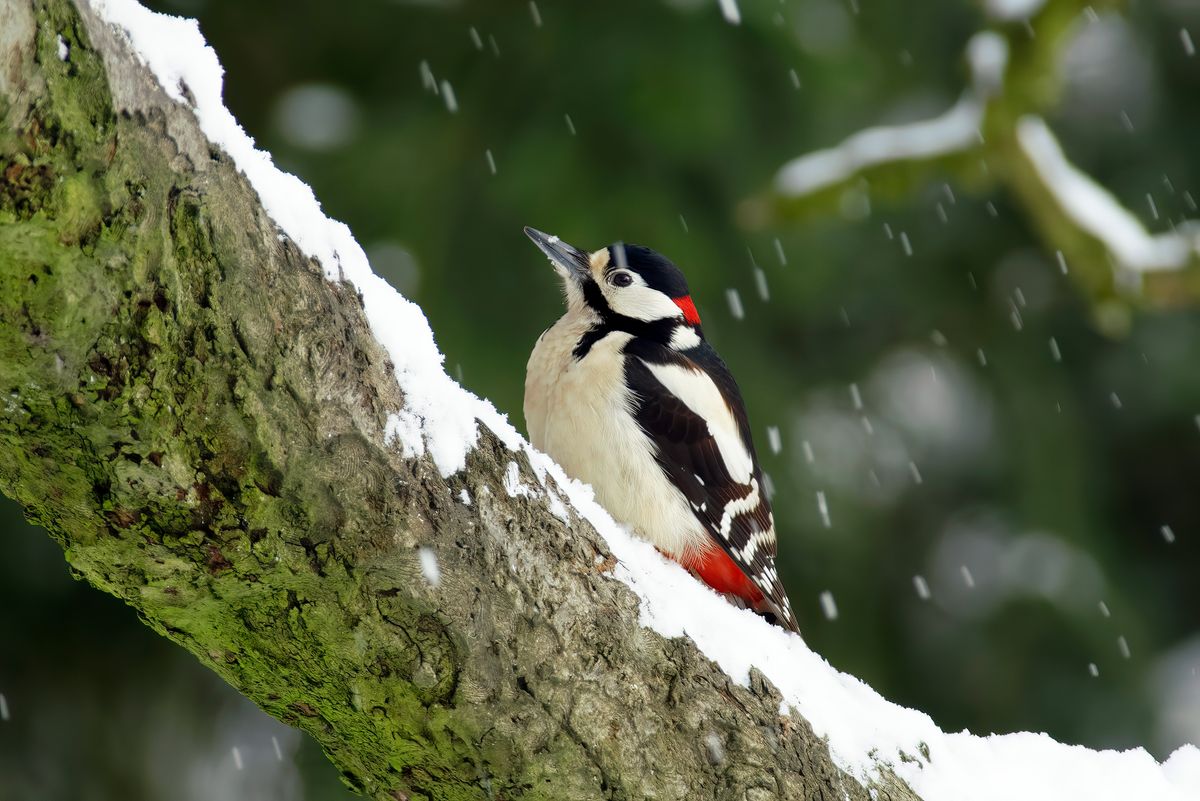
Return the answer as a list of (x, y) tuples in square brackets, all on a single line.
[(579, 412)]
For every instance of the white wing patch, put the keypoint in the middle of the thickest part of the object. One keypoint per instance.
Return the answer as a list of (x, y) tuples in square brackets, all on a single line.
[(684, 338), (737, 507), (759, 539), (700, 394)]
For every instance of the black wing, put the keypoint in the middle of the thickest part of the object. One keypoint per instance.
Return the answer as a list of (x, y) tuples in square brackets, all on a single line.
[(689, 455)]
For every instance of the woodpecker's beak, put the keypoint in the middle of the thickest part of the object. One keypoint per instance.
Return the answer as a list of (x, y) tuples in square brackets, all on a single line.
[(565, 258)]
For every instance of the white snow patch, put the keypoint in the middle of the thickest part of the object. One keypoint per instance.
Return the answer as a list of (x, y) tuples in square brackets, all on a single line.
[(760, 282), (1096, 211), (449, 97), (774, 439), (427, 79), (1055, 353), (823, 509), (1062, 262), (404, 427), (952, 132), (863, 730), (735, 304), (967, 576), (64, 49), (1012, 10), (557, 507), (430, 568), (729, 10), (716, 750), (465, 497), (987, 53), (829, 605), (512, 482)]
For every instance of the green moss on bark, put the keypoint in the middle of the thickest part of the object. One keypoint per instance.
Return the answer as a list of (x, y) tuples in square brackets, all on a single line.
[(141, 432)]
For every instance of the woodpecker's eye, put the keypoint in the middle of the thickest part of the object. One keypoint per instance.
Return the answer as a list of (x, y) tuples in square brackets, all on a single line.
[(622, 279)]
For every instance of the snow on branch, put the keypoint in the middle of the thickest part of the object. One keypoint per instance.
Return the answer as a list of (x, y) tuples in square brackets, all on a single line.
[(1085, 204), (1094, 209), (1012, 10), (867, 735), (954, 131)]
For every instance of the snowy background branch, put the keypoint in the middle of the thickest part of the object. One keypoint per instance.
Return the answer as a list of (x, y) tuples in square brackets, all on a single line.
[(996, 135)]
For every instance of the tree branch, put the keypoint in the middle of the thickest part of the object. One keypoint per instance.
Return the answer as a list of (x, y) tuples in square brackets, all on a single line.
[(995, 134), (198, 416)]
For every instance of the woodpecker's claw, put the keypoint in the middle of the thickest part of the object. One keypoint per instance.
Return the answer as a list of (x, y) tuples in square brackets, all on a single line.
[(562, 255)]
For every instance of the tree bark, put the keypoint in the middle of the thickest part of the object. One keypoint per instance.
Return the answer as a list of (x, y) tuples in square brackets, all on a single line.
[(197, 417)]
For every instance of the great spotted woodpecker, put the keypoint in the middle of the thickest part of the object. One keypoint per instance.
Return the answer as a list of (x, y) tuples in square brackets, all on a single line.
[(626, 394)]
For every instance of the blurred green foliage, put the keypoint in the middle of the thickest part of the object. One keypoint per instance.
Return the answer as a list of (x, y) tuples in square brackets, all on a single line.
[(1005, 456)]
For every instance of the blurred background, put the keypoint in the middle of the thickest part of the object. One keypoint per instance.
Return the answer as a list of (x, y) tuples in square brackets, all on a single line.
[(985, 470)]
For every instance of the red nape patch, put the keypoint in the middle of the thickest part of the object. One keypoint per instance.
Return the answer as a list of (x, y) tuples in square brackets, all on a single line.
[(717, 570), (688, 308)]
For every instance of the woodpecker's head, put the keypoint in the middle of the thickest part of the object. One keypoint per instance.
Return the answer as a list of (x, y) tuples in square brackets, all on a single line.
[(621, 283)]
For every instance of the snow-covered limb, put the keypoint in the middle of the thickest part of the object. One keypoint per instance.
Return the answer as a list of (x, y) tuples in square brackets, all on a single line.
[(954, 131), (1096, 211), (731, 12), (1012, 10), (253, 479), (864, 731), (1040, 173), (513, 586)]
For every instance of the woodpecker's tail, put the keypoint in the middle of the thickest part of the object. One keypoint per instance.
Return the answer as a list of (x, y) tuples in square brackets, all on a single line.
[(716, 569), (779, 612)]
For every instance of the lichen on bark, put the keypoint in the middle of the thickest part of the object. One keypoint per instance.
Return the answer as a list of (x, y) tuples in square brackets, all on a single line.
[(196, 414)]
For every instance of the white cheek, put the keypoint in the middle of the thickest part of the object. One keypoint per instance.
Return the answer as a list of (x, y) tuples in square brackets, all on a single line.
[(641, 303)]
